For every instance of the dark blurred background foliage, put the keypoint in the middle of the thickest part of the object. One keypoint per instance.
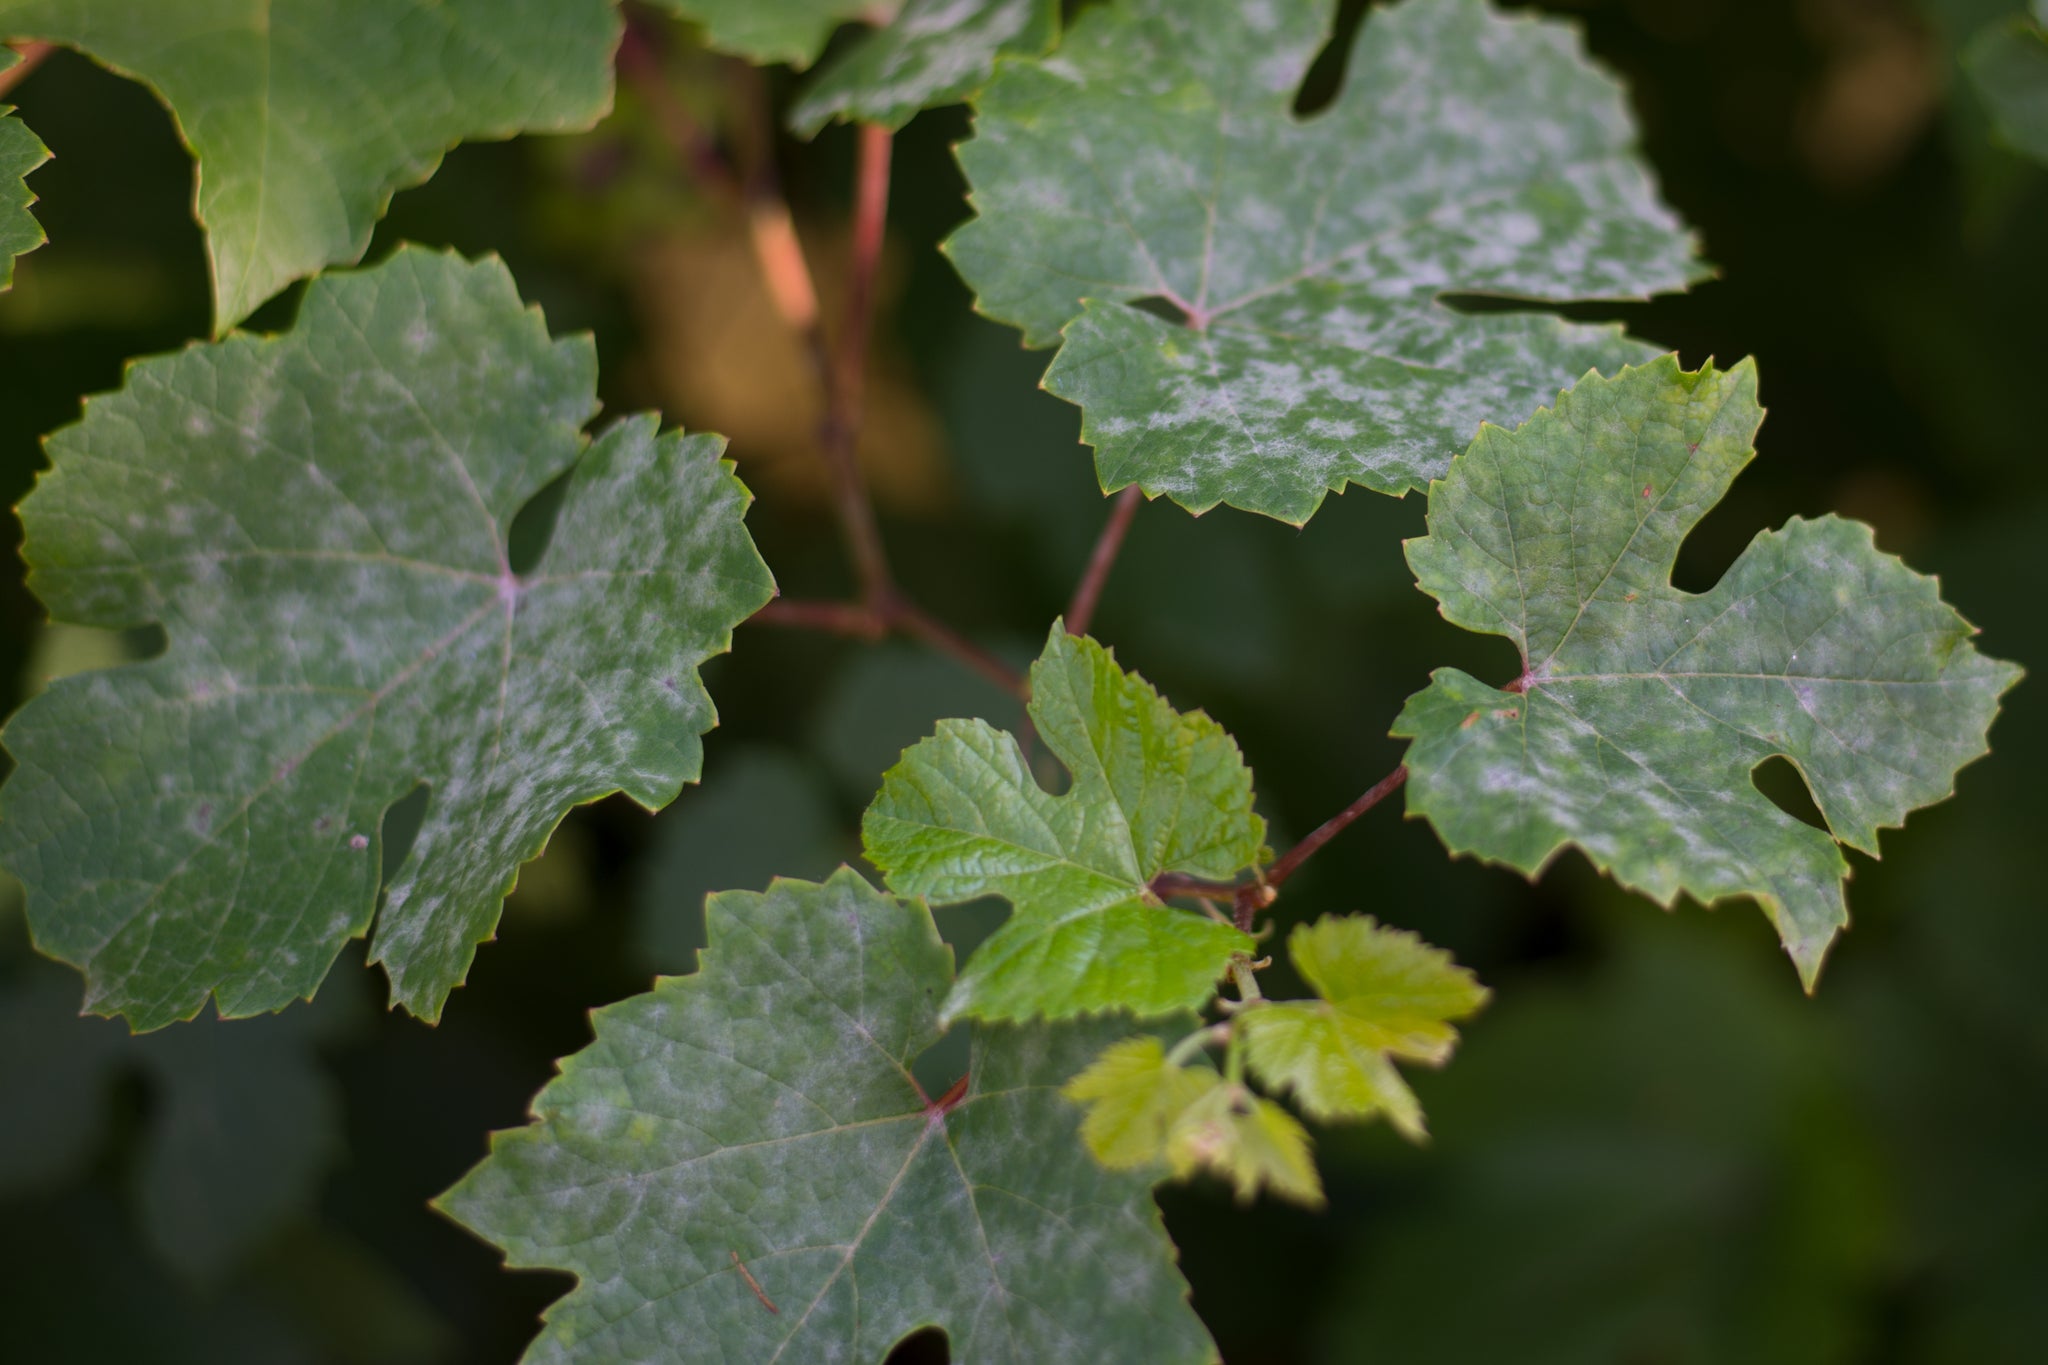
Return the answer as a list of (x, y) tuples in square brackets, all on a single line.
[(1652, 1148)]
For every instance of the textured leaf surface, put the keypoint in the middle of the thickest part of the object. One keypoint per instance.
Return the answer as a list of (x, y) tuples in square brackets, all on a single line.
[(934, 52), (1134, 1096), (21, 151), (1385, 994), (761, 1114), (1251, 1142), (1154, 155), (319, 522), (306, 115), (1154, 791), (1645, 709), (2008, 62)]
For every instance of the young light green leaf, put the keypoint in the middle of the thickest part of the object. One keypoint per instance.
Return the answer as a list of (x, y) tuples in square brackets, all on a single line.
[(319, 522), (933, 52), (306, 117), (741, 1161), (1251, 1142), (1134, 1096), (2008, 63), (1642, 710), (21, 151), (1385, 994), (1155, 156), (962, 816)]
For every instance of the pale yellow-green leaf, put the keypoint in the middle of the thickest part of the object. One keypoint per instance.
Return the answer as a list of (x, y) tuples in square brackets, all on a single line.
[(1251, 1142), (1134, 1096)]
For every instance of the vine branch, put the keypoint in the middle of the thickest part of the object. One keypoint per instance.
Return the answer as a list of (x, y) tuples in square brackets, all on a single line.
[(1101, 560), (1248, 898), (881, 608)]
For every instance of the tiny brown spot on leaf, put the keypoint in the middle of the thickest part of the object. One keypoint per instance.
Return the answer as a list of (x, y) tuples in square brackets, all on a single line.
[(1469, 721)]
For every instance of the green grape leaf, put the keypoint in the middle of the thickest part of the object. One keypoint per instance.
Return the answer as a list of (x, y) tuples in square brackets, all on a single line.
[(1642, 710), (1249, 1141), (318, 520), (21, 151), (933, 52), (1154, 156), (962, 816), (1134, 1096), (741, 1167), (2008, 64), (306, 115), (1385, 994)]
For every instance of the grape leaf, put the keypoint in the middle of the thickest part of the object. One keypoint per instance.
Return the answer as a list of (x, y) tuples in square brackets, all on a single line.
[(921, 54), (1154, 156), (751, 1136), (1385, 994), (2008, 63), (21, 151), (934, 52), (1249, 1141), (1134, 1096), (318, 520), (962, 816), (306, 115), (1642, 710)]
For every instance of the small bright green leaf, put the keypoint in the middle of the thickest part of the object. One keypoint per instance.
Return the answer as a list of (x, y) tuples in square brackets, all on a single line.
[(1385, 994), (306, 115), (1155, 156), (1643, 710), (2008, 63), (319, 522), (21, 151), (1251, 1142), (1153, 791), (1134, 1097), (756, 1125), (769, 31), (934, 52)]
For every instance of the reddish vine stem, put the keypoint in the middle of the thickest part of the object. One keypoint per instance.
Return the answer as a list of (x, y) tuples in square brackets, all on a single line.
[(894, 615), (32, 55), (1264, 888), (882, 608), (1081, 612)]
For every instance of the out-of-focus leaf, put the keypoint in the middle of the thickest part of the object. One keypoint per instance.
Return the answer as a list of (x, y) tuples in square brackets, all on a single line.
[(242, 1126), (2008, 63), (760, 814), (1642, 711), (740, 1168), (1251, 1142), (1659, 1161), (319, 521), (1385, 994), (306, 115), (887, 698), (1154, 156), (1134, 1096), (933, 52), (1154, 790)]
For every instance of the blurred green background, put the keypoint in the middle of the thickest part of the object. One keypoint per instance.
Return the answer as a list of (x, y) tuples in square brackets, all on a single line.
[(1652, 1147)]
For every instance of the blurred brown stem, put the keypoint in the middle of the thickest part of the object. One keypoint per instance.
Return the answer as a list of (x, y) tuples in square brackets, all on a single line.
[(1081, 612)]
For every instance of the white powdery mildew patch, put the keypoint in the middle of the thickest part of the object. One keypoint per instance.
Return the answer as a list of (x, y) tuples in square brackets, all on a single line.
[(343, 626), (1643, 711)]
